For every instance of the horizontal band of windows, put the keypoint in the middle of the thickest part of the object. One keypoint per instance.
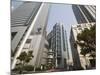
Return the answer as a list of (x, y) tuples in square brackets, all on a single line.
[(20, 20), (14, 25)]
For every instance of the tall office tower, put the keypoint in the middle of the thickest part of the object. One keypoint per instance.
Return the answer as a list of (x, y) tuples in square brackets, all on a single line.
[(57, 39), (28, 32), (84, 14), (79, 61)]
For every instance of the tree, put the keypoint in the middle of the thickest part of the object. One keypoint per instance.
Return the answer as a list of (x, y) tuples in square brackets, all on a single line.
[(87, 41), (87, 38), (24, 58), (50, 65)]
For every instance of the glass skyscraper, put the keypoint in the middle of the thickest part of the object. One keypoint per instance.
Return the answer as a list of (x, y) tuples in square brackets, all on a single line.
[(57, 39), (28, 32), (84, 14), (86, 17)]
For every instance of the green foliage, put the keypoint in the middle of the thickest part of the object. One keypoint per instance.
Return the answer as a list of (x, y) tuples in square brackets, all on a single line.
[(87, 40), (84, 51), (24, 58), (38, 69), (28, 68), (49, 65)]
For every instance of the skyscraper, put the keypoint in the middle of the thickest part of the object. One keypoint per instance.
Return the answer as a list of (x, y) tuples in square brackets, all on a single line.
[(84, 14), (79, 61), (86, 17), (57, 39), (28, 32)]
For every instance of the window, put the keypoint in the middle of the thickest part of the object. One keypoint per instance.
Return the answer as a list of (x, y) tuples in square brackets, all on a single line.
[(13, 35), (78, 25), (75, 45), (65, 64), (46, 46), (28, 41), (79, 28)]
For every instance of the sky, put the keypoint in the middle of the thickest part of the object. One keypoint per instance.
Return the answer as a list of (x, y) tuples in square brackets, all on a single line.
[(59, 13), (62, 13), (15, 4)]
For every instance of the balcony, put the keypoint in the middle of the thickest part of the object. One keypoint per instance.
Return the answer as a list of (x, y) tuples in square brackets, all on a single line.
[(50, 57)]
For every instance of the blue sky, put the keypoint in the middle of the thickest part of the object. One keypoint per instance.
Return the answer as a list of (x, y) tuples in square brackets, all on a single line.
[(59, 13), (16, 4)]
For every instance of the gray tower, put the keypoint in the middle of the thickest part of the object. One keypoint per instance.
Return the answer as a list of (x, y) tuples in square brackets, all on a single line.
[(57, 39), (84, 14), (28, 30)]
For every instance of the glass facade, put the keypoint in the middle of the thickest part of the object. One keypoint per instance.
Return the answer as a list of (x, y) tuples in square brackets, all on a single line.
[(87, 13), (56, 39), (78, 15), (82, 14), (28, 18), (13, 35), (21, 19)]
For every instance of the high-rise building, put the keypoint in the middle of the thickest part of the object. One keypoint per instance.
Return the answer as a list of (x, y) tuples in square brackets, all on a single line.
[(28, 32), (85, 17), (84, 14), (79, 61), (57, 39)]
